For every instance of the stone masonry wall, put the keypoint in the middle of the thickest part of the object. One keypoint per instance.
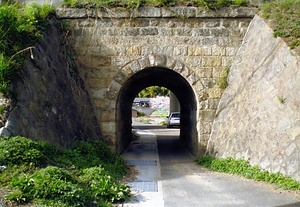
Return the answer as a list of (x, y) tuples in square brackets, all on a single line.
[(52, 103), (112, 45), (258, 117)]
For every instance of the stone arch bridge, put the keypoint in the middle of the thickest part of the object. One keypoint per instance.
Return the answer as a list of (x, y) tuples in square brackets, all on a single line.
[(184, 49)]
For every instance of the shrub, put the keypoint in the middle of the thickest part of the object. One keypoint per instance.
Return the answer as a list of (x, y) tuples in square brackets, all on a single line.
[(51, 183), (104, 187), (89, 154), (20, 150), (84, 175)]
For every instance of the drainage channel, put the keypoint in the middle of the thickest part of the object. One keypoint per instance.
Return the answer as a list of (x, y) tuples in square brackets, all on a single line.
[(143, 155)]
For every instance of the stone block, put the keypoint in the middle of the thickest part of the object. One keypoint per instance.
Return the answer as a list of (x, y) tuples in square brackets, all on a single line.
[(148, 12), (227, 61), (183, 31), (165, 32), (157, 60), (108, 128), (218, 51), (112, 13), (123, 75), (133, 51), (207, 115), (99, 105), (212, 61), (107, 116), (96, 83), (192, 79), (204, 72), (212, 23), (136, 66), (195, 51), (113, 89), (206, 128), (193, 61), (183, 12), (200, 32), (131, 32), (180, 51), (98, 93)]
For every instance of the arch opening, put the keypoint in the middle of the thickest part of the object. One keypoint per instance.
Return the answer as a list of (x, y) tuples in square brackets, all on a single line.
[(167, 78)]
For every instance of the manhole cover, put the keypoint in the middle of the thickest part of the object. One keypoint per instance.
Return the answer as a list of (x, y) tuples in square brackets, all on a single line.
[(142, 162), (146, 186)]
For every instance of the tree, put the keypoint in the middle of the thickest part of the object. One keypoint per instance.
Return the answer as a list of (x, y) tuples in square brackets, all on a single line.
[(153, 91)]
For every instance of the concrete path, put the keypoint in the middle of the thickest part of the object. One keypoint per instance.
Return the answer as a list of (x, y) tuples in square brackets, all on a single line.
[(168, 177)]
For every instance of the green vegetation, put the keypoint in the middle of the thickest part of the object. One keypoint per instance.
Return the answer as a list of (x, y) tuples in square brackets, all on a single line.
[(221, 81), (281, 99), (153, 91), (243, 168), (285, 20), (86, 174), (20, 29), (210, 4)]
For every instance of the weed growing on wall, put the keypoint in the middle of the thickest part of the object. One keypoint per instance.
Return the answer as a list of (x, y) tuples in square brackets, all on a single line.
[(243, 168), (221, 81), (86, 174), (285, 17), (20, 28)]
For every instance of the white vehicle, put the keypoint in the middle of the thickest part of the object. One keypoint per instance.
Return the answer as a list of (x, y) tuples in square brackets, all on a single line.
[(173, 119)]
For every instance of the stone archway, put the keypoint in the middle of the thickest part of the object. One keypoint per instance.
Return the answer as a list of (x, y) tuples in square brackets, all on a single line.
[(155, 70)]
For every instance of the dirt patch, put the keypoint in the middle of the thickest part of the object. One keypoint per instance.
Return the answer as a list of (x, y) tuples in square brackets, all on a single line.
[(131, 174)]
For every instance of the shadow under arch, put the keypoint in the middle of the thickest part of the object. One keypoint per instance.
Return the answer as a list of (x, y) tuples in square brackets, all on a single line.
[(160, 76)]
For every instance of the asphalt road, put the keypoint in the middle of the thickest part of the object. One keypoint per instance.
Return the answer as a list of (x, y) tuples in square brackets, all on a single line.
[(183, 183)]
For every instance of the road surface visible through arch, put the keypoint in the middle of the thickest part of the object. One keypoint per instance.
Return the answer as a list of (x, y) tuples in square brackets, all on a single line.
[(168, 177)]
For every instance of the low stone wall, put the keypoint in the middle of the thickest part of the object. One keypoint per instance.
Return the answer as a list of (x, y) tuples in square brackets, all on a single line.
[(51, 99), (258, 117), (58, 3)]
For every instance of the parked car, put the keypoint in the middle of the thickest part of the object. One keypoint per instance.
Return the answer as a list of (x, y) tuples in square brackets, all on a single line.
[(173, 119)]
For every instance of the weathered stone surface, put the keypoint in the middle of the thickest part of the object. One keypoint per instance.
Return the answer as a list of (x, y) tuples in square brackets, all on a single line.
[(260, 114), (52, 100)]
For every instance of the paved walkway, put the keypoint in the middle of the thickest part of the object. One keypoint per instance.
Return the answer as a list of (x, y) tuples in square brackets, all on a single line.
[(170, 178), (143, 154)]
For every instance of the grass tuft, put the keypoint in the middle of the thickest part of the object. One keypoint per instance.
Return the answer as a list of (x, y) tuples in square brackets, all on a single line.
[(243, 168), (285, 18)]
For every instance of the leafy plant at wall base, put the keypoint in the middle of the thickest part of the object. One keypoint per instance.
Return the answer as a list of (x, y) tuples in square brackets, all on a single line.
[(17, 150), (85, 174), (243, 168), (49, 183)]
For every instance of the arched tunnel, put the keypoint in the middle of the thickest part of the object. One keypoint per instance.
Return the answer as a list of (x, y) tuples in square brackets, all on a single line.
[(161, 77)]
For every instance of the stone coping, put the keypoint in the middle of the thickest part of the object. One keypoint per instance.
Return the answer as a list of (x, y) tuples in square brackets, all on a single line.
[(155, 12)]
